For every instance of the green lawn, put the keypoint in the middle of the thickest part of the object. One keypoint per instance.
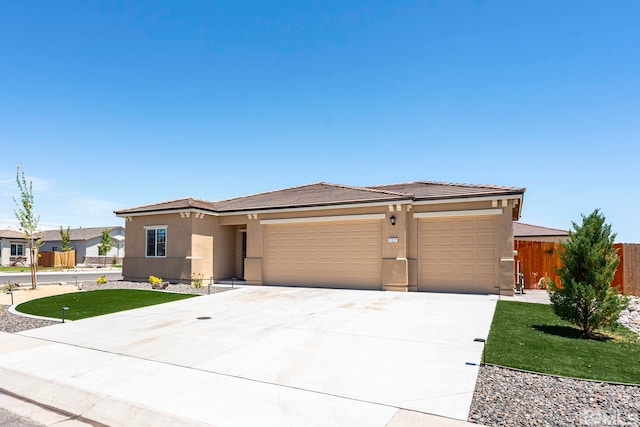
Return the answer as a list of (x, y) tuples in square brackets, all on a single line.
[(25, 269), (95, 303), (531, 337)]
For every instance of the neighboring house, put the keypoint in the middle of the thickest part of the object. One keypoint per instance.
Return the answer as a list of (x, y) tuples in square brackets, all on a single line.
[(537, 233), (14, 248), (417, 236), (85, 241)]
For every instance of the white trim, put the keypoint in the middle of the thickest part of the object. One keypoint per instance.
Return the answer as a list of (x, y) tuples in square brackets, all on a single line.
[(154, 227), (471, 212), (181, 212), (467, 199), (316, 208), (324, 219)]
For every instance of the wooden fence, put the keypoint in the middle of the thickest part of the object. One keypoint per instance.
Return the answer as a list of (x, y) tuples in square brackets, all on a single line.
[(628, 274), (540, 259), (537, 260), (57, 259)]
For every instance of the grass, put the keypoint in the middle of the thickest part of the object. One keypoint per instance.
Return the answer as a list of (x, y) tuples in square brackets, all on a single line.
[(26, 269), (531, 337), (95, 303)]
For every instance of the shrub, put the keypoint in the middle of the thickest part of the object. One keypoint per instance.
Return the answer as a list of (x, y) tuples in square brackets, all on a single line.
[(589, 261), (8, 286), (101, 280), (155, 280), (196, 280)]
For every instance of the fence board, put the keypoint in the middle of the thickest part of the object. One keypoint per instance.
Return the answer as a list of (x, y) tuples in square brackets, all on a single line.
[(631, 267), (618, 278)]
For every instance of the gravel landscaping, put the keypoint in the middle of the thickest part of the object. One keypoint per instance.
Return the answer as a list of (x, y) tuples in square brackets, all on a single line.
[(506, 397), (503, 397)]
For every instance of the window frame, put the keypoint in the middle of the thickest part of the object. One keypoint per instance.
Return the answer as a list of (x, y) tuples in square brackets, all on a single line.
[(14, 249), (155, 229)]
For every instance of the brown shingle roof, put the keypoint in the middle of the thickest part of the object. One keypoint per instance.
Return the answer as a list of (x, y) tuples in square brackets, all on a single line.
[(527, 230), (442, 190), (77, 233), (11, 234), (326, 194), (177, 204), (319, 194)]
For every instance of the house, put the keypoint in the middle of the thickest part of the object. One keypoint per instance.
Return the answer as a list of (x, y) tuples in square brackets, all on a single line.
[(85, 241), (416, 236), (536, 233), (14, 248)]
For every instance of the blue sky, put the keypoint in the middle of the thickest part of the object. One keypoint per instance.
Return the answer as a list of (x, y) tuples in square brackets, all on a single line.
[(111, 105)]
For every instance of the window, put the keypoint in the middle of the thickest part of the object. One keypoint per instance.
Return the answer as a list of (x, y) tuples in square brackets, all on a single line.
[(156, 241), (54, 248), (17, 249)]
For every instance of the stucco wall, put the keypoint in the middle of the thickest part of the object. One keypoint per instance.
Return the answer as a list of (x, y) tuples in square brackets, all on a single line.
[(176, 266)]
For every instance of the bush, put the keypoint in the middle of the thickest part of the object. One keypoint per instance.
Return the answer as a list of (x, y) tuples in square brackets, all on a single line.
[(101, 280), (8, 286), (196, 280), (155, 280), (585, 296)]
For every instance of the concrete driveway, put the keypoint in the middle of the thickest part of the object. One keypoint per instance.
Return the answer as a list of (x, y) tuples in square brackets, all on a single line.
[(261, 356)]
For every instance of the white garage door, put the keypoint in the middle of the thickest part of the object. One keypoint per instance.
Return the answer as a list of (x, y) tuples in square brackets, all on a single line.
[(328, 254), (458, 254)]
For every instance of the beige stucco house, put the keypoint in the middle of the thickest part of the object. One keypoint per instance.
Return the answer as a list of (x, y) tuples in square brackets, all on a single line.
[(417, 236)]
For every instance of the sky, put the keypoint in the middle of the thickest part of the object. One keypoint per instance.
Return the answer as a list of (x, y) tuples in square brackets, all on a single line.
[(110, 105)]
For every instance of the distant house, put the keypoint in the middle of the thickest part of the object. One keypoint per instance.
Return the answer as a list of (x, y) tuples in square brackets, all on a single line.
[(536, 233), (14, 248), (85, 241)]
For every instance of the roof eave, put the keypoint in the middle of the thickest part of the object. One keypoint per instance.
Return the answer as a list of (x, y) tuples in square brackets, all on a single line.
[(125, 213), (312, 207)]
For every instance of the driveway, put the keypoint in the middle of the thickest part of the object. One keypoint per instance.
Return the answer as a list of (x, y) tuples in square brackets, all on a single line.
[(260, 356)]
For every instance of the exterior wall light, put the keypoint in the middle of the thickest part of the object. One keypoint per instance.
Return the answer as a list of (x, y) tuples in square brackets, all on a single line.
[(393, 220)]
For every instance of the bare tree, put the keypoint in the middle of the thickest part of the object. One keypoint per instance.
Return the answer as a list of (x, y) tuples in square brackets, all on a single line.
[(28, 221)]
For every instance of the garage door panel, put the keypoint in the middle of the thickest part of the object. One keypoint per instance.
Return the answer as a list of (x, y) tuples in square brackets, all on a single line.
[(346, 254), (458, 254), (486, 224)]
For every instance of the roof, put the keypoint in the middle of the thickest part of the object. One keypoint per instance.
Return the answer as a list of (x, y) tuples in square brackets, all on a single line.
[(78, 233), (11, 234), (527, 230), (327, 194)]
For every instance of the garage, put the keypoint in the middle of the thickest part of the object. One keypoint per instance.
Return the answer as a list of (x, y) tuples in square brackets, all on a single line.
[(458, 254), (325, 253)]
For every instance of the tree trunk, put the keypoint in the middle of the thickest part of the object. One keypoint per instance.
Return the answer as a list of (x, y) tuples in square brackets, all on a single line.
[(34, 261)]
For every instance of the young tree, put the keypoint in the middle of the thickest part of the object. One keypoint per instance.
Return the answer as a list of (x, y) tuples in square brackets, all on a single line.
[(65, 236), (589, 262), (28, 221), (106, 244)]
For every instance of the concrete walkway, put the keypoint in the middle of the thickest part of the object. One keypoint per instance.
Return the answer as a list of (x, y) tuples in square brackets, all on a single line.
[(261, 356), (538, 296)]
